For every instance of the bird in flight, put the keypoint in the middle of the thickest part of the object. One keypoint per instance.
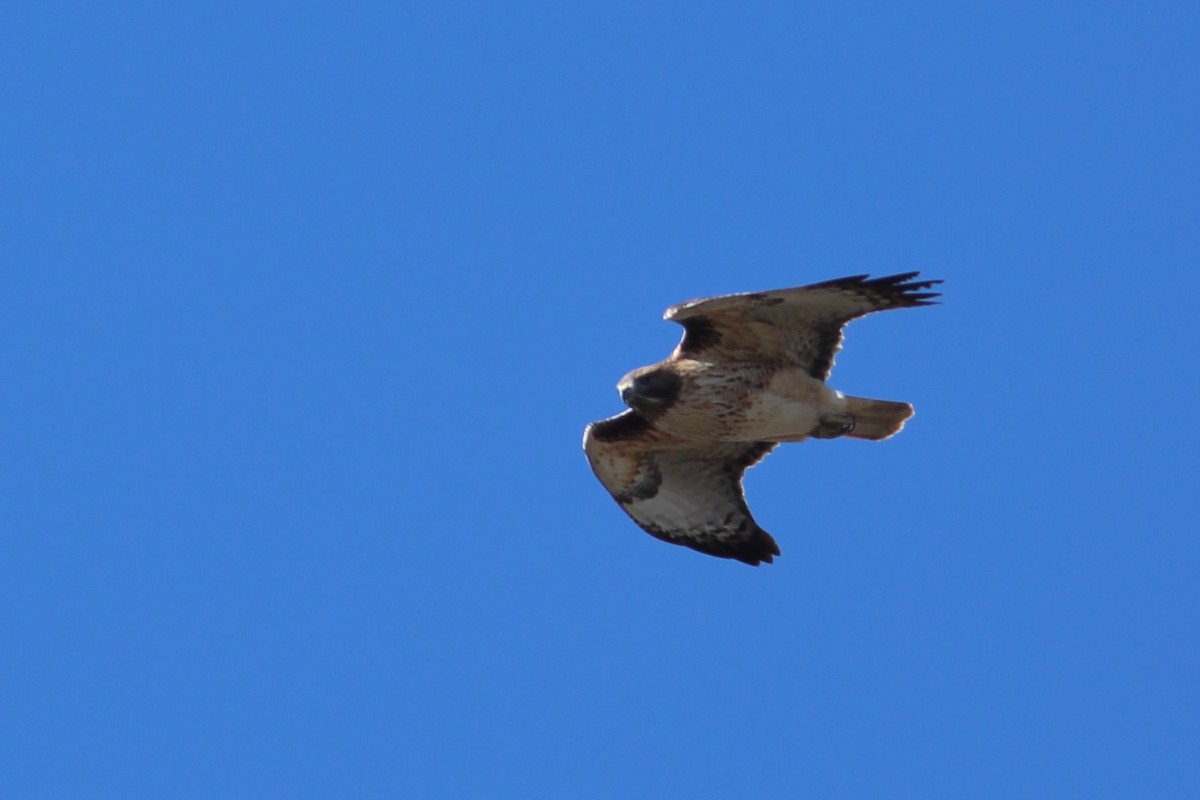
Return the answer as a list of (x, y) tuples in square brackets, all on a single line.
[(748, 374)]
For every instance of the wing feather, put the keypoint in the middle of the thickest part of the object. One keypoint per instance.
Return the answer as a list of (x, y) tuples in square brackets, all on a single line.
[(683, 492), (796, 327)]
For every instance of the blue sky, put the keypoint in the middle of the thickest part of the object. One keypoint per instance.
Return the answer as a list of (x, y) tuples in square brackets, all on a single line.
[(306, 308)]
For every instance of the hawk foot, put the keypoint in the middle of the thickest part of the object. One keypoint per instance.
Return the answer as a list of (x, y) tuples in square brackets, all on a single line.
[(832, 426)]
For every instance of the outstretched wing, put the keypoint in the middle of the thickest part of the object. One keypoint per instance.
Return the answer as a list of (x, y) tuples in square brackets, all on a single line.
[(797, 327), (682, 492)]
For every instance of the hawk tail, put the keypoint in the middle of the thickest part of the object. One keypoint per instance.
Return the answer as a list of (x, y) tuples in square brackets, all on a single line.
[(876, 419)]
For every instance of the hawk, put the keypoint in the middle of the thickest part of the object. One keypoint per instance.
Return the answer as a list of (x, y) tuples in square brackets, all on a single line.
[(748, 374)]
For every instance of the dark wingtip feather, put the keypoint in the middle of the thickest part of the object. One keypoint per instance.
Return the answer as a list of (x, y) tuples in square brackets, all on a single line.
[(900, 289), (762, 549), (897, 286)]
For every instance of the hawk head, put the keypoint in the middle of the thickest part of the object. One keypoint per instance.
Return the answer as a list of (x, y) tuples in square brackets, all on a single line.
[(650, 390)]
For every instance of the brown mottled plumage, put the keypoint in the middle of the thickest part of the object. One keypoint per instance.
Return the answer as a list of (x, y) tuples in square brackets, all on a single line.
[(748, 374)]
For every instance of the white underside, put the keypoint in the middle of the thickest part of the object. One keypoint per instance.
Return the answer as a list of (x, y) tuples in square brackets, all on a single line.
[(790, 407)]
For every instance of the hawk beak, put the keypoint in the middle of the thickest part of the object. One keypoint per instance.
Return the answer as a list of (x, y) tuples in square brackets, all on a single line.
[(626, 390)]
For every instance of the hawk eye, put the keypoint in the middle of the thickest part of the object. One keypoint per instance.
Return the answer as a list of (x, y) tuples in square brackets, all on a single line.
[(646, 383), (655, 384)]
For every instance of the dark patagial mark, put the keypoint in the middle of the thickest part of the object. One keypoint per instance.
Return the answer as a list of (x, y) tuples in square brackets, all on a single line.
[(825, 350), (628, 425), (754, 452), (699, 334)]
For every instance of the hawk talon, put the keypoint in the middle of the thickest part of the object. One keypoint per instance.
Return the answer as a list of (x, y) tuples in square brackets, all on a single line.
[(833, 426)]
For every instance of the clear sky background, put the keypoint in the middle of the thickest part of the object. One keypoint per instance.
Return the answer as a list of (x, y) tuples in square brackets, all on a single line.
[(305, 307)]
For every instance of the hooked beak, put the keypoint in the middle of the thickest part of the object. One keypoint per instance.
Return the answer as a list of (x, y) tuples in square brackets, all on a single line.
[(625, 388)]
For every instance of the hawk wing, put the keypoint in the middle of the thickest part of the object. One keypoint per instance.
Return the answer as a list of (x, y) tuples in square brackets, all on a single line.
[(680, 491), (796, 327)]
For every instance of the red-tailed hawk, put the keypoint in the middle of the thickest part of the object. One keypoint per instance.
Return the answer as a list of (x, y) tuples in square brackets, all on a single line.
[(748, 374)]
